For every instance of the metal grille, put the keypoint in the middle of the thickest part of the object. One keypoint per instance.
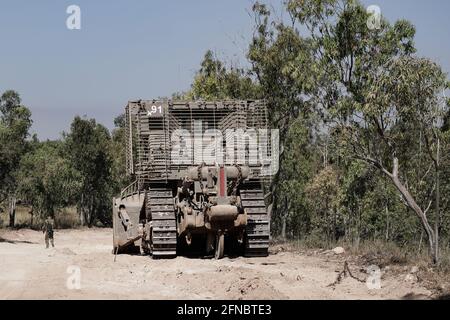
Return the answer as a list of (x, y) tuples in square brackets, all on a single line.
[(151, 124)]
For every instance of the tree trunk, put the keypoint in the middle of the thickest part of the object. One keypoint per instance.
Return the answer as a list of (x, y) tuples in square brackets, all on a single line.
[(80, 211), (83, 214), (269, 212), (32, 217), (387, 223), (81, 217), (415, 207), (12, 212), (91, 212), (437, 203), (283, 226), (423, 218), (284, 218), (357, 227), (335, 231), (420, 242)]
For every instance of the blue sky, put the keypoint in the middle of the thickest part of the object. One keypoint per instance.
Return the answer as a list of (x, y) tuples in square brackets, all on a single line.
[(143, 49)]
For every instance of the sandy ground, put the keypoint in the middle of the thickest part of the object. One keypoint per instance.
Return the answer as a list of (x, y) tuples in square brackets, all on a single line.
[(29, 271)]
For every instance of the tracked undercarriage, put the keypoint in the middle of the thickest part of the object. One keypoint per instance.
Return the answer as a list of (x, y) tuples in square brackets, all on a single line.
[(206, 205)]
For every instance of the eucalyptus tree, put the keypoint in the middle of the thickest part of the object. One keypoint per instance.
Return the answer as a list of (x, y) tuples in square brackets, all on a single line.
[(15, 123)]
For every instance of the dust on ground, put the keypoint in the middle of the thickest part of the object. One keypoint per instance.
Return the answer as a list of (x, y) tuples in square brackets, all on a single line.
[(29, 271)]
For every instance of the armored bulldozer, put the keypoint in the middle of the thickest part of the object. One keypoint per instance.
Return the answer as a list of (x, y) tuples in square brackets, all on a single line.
[(200, 172)]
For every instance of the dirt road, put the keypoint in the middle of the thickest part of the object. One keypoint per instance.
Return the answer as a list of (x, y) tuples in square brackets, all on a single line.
[(29, 271)]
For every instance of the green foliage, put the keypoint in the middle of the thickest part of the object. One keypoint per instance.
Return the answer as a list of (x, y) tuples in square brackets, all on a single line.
[(366, 101), (86, 169), (120, 177), (214, 81), (88, 148), (282, 63), (289, 199), (47, 180), (15, 122), (323, 198)]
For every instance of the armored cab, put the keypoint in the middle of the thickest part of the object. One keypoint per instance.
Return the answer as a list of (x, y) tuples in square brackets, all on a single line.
[(200, 170)]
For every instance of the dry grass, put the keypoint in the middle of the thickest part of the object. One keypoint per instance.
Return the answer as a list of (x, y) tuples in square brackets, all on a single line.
[(66, 218), (23, 217), (382, 253), (389, 257)]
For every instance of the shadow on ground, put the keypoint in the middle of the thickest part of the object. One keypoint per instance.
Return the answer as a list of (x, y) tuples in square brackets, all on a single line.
[(413, 296), (2, 240), (443, 297)]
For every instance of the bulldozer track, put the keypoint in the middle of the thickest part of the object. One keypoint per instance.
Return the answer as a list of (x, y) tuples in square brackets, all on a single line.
[(258, 228), (160, 209)]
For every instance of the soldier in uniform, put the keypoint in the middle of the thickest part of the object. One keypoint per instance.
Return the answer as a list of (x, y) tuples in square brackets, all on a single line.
[(47, 229)]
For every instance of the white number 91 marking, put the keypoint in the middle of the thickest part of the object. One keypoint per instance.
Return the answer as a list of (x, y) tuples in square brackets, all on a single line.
[(155, 110)]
